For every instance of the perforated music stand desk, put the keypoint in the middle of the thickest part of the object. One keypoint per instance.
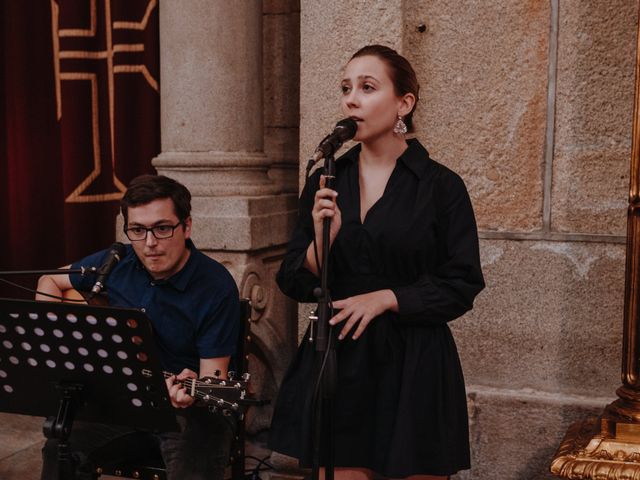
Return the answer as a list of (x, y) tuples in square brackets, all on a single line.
[(96, 364)]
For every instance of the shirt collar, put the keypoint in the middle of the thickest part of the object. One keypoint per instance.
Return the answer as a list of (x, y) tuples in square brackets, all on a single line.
[(415, 157)]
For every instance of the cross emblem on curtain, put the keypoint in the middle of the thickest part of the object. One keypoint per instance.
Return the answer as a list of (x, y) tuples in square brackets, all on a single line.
[(97, 43)]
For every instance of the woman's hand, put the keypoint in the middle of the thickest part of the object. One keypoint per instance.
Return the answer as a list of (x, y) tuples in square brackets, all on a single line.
[(177, 393), (324, 206), (361, 309)]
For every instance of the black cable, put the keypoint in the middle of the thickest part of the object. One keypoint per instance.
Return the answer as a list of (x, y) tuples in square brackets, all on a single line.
[(30, 290), (261, 461), (254, 473), (316, 387)]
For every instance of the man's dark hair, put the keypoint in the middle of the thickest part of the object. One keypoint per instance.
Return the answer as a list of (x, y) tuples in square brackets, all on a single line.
[(147, 188)]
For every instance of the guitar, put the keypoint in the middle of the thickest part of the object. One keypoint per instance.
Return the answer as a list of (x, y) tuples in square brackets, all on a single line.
[(74, 296)]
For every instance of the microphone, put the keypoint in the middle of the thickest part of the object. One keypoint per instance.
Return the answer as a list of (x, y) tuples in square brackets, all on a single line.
[(115, 254), (343, 131)]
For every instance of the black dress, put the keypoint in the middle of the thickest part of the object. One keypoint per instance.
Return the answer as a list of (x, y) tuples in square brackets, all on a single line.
[(400, 407)]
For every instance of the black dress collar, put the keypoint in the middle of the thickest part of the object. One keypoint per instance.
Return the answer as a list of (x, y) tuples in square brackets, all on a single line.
[(415, 157)]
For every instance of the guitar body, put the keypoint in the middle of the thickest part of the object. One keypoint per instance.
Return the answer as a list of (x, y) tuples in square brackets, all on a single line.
[(75, 296)]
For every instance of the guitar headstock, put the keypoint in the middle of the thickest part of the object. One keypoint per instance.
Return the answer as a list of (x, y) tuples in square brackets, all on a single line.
[(231, 388)]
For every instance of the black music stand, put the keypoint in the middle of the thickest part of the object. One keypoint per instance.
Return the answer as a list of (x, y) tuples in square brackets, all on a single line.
[(96, 364)]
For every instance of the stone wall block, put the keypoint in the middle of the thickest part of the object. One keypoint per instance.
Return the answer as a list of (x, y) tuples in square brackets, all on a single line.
[(281, 146), (243, 223), (281, 64), (483, 75), (281, 67), (514, 434), (278, 7), (550, 318), (590, 190), (594, 106)]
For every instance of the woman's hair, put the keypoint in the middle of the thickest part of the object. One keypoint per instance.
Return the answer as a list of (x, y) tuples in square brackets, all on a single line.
[(401, 72), (147, 188)]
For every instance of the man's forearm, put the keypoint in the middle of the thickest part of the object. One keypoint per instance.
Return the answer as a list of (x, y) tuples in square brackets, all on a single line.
[(46, 284)]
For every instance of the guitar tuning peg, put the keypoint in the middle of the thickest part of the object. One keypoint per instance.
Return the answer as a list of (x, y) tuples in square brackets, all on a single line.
[(313, 317), (217, 373), (213, 409), (231, 374), (246, 376)]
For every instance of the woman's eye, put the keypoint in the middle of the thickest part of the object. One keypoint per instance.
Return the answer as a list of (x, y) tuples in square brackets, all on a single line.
[(366, 87), (345, 88)]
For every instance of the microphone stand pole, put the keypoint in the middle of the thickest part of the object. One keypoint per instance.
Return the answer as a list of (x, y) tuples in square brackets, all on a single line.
[(57, 271), (325, 359)]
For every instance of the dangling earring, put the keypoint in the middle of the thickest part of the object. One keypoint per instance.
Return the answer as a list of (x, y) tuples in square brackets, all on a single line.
[(400, 127)]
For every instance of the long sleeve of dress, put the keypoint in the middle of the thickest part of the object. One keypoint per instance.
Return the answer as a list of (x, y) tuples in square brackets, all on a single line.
[(293, 278), (447, 292)]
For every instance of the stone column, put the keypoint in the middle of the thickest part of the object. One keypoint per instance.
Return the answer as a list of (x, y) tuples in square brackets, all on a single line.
[(212, 142)]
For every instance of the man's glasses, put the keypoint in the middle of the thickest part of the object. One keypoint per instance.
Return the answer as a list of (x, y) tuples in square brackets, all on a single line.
[(159, 231)]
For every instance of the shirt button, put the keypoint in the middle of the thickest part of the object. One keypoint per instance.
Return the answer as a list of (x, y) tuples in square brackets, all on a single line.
[(153, 284), (143, 310)]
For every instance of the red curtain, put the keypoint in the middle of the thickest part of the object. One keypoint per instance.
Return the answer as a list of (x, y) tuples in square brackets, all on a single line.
[(79, 118)]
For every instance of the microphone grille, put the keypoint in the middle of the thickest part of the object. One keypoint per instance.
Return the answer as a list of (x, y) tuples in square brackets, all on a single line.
[(118, 248), (347, 129)]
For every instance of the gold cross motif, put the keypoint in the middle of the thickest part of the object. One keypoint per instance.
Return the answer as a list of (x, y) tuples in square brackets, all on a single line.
[(68, 68)]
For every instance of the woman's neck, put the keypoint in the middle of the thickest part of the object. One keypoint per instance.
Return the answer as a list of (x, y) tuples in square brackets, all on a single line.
[(382, 151)]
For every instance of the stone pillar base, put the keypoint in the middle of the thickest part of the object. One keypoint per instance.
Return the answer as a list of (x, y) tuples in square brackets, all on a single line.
[(216, 174)]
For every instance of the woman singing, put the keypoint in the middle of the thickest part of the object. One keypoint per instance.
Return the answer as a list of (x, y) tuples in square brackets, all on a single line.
[(403, 262)]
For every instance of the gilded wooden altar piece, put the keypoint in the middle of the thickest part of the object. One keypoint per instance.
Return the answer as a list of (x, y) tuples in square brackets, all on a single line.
[(608, 447)]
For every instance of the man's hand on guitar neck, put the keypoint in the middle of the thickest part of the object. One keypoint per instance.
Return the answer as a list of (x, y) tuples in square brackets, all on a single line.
[(177, 392), (209, 367)]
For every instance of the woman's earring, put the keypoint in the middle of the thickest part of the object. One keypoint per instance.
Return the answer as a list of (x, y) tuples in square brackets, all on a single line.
[(400, 127)]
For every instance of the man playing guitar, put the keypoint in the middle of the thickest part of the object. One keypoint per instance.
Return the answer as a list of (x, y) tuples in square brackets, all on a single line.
[(192, 302)]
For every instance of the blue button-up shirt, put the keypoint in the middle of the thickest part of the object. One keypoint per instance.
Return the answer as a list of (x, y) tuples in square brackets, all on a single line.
[(194, 313)]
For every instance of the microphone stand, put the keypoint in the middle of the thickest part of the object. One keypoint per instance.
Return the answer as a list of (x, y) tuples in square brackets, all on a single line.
[(56, 271), (325, 358)]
